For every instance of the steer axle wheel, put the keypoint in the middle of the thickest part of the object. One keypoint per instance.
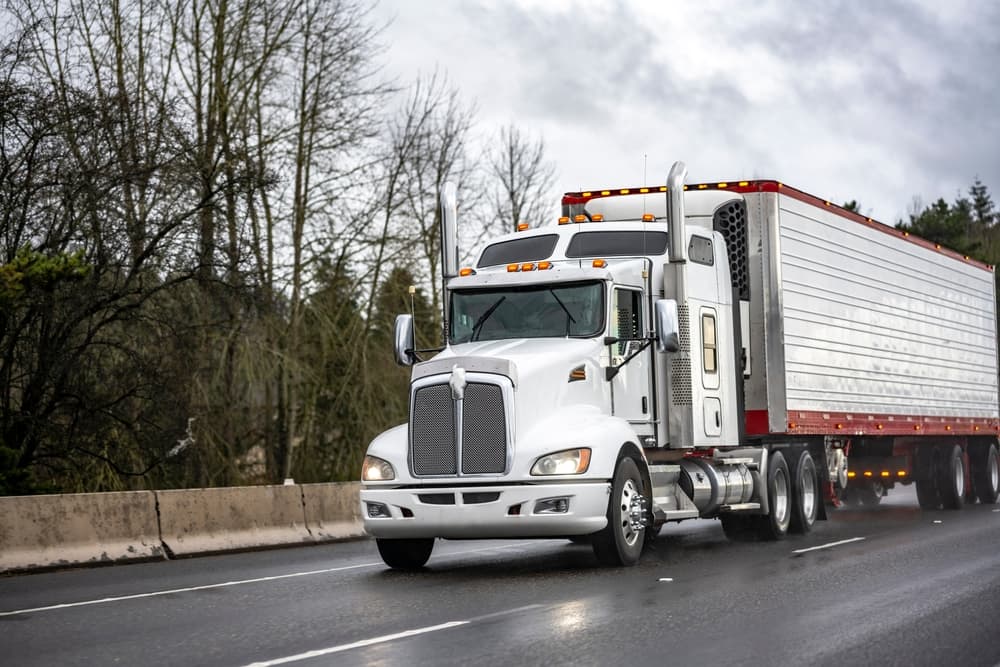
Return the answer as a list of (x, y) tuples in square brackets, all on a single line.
[(621, 541), (405, 554)]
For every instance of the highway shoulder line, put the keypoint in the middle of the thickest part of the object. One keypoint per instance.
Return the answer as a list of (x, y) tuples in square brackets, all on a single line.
[(827, 546)]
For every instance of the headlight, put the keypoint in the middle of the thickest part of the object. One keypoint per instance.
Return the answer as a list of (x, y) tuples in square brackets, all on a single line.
[(375, 469), (568, 462)]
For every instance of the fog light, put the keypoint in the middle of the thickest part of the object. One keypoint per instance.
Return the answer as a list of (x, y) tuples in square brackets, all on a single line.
[(552, 506), (378, 511)]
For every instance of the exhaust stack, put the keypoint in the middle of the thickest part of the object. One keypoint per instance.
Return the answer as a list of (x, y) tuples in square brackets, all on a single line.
[(449, 247), (675, 211)]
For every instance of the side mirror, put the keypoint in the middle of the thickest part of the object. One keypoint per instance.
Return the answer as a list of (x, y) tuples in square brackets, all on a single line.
[(403, 339), (668, 337)]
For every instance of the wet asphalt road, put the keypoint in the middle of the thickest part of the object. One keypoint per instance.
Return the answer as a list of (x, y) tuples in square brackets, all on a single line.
[(920, 588)]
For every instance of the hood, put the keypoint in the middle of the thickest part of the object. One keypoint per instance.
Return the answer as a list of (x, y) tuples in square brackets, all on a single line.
[(542, 368)]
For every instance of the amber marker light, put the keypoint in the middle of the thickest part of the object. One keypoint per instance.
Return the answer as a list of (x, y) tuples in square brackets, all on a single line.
[(528, 266), (466, 271), (599, 264), (885, 473), (743, 184), (597, 217), (564, 220), (579, 218), (852, 474), (522, 226), (542, 266), (643, 190), (605, 193), (868, 473), (648, 217), (901, 473), (723, 185), (511, 268)]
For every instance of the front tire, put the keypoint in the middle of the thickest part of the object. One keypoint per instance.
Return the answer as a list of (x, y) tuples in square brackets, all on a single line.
[(774, 526), (621, 541), (986, 475), (805, 494), (951, 479), (405, 554)]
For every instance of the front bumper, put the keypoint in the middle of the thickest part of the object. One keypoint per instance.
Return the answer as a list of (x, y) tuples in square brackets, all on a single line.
[(487, 512)]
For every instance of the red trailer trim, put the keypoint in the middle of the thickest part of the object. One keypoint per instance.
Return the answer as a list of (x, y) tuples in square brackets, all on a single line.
[(843, 424)]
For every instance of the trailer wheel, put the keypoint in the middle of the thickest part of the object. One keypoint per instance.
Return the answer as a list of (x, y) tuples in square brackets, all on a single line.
[(805, 494), (870, 494), (405, 554), (951, 479), (986, 475), (774, 526), (621, 541), (928, 496)]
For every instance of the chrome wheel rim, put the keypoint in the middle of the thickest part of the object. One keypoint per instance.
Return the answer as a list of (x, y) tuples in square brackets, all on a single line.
[(994, 463), (959, 478), (808, 496), (631, 513), (780, 499)]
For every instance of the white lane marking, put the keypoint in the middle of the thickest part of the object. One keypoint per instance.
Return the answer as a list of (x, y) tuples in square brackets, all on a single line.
[(363, 642), (666, 579), (997, 511), (387, 638), (827, 546), (937, 520), (224, 584)]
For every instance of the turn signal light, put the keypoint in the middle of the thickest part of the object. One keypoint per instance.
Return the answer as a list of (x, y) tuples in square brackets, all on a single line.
[(466, 271), (599, 264), (522, 226)]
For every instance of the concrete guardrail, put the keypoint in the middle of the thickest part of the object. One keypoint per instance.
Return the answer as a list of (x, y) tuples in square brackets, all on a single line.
[(75, 529)]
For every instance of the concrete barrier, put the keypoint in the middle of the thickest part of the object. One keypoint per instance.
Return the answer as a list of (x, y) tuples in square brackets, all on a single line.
[(54, 530), (224, 519), (333, 511)]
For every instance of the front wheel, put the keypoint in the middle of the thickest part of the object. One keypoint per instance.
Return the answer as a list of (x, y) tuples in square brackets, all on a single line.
[(405, 554), (620, 542)]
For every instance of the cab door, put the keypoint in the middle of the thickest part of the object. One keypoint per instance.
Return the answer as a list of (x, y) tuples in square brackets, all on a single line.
[(631, 393)]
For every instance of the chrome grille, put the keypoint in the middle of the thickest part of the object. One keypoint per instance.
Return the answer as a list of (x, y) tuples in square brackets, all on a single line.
[(484, 430), (432, 431)]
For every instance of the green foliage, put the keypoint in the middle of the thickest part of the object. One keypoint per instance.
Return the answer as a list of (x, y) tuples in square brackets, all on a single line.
[(967, 225), (32, 270)]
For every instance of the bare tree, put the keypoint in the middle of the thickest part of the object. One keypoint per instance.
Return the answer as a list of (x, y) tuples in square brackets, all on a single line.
[(523, 181)]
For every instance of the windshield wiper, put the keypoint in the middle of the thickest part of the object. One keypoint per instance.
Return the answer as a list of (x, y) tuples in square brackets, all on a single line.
[(569, 316), (485, 316)]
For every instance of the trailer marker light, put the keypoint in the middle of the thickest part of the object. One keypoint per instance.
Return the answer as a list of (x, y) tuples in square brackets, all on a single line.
[(868, 473), (663, 188), (947, 427), (466, 271), (840, 426), (579, 218), (564, 220), (511, 268), (916, 427), (599, 263), (703, 186), (879, 427), (648, 217), (597, 217), (885, 473), (623, 191), (522, 226), (901, 473), (851, 474), (643, 190), (542, 266), (743, 184), (605, 193), (723, 185), (792, 425), (528, 266), (587, 194)]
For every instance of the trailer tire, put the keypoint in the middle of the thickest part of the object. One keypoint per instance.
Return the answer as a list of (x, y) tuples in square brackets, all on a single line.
[(986, 475), (774, 526), (805, 494), (870, 494), (405, 554), (620, 542), (951, 479), (927, 494)]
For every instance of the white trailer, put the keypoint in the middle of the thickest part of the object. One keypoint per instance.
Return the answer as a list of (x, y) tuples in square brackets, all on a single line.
[(737, 351)]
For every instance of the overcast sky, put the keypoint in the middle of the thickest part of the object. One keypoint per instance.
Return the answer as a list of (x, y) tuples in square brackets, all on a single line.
[(873, 100)]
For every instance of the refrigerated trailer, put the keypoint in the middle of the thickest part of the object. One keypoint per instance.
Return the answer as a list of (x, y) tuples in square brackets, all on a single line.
[(734, 350)]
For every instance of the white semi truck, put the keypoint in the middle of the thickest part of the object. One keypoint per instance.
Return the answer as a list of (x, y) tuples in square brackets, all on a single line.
[(741, 351)]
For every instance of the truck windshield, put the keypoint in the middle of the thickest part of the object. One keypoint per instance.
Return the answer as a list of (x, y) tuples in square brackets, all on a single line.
[(533, 311)]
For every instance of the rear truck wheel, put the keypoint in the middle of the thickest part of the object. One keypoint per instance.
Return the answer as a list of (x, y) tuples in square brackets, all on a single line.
[(774, 526), (405, 554), (869, 494), (951, 479), (986, 475), (621, 541), (740, 527), (927, 474), (805, 494)]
